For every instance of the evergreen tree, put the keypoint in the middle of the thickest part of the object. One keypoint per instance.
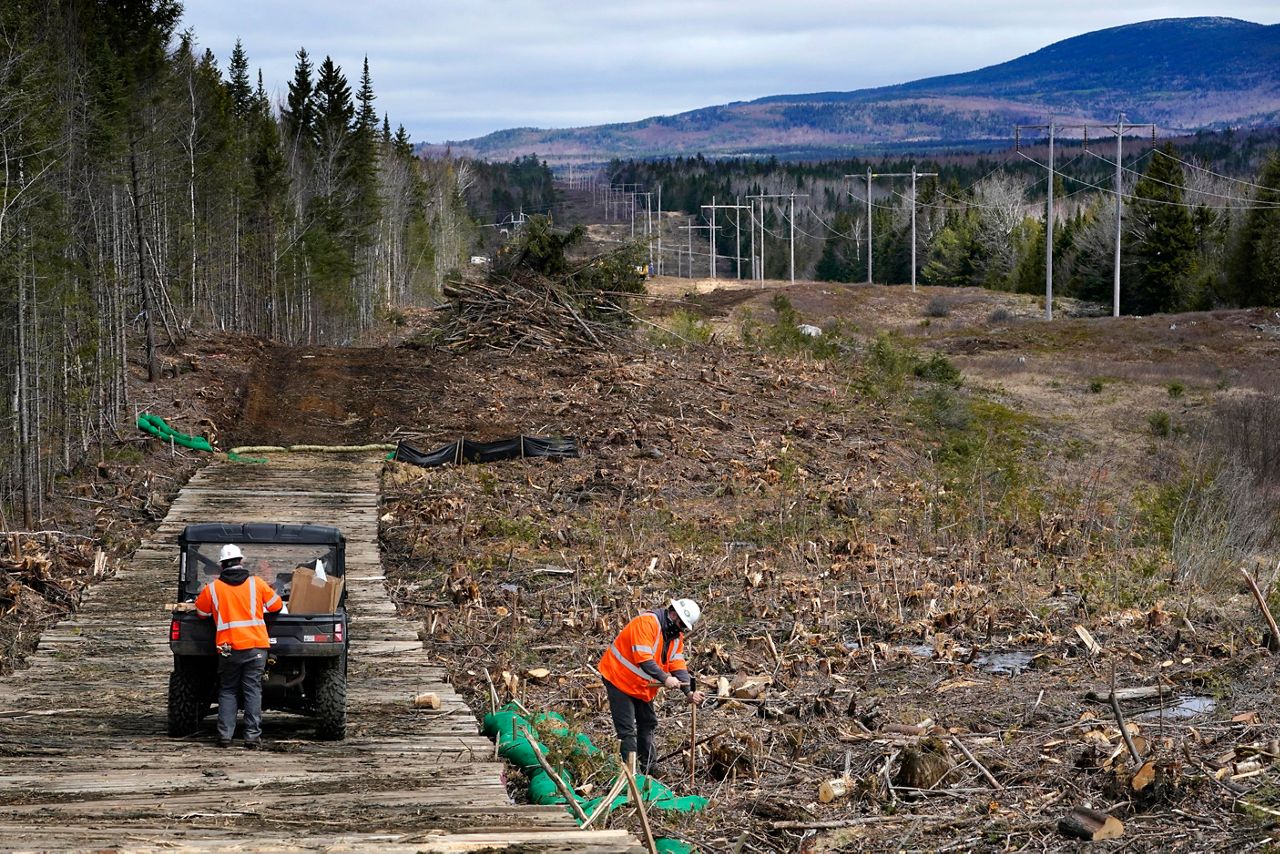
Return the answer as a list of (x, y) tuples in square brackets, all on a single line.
[(242, 96), (1255, 262), (299, 111), (1159, 244), (334, 110), (952, 252), (366, 116)]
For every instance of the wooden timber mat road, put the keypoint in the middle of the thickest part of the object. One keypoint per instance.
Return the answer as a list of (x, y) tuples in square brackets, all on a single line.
[(85, 762)]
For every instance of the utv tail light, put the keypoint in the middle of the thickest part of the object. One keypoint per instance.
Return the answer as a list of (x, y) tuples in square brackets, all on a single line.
[(175, 630), (337, 632)]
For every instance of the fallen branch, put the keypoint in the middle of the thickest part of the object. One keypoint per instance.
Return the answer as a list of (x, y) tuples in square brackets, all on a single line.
[(619, 783), (639, 804), (855, 822), (996, 784), (564, 790), (1273, 642), (1124, 730)]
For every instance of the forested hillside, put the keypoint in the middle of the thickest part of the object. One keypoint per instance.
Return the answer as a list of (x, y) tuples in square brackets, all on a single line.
[(1201, 219), (148, 191), (1182, 73)]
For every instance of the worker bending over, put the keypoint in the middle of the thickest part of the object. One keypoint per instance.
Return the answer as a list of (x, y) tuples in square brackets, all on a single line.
[(237, 601), (647, 654)]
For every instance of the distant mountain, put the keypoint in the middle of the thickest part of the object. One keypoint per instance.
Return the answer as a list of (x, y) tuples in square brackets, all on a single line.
[(1183, 74)]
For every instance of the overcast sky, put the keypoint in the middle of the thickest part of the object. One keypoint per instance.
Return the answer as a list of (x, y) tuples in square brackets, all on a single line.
[(467, 67)]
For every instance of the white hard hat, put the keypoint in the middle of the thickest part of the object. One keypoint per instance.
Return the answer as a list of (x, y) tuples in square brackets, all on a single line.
[(229, 552), (687, 610)]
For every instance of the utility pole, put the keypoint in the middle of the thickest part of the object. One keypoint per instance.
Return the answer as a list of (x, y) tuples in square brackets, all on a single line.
[(1119, 129), (913, 174), (1048, 238), (691, 228), (711, 239), (792, 197), (737, 226), (737, 233), (870, 280), (792, 217), (1048, 220), (659, 229), (1115, 295)]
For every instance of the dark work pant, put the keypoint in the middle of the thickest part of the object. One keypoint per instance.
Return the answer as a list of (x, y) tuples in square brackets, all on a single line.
[(636, 725), (241, 673)]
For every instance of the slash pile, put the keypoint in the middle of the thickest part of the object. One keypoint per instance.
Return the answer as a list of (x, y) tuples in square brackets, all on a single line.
[(525, 310)]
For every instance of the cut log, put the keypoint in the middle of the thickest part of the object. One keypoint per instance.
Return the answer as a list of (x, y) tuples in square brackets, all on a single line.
[(722, 687), (1146, 692), (1144, 776), (836, 787), (1087, 639), (427, 701), (1090, 825)]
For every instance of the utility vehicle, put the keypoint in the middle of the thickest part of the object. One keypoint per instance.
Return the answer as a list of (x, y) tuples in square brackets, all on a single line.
[(307, 663)]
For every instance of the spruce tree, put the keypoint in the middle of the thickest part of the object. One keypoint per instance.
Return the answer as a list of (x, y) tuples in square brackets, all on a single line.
[(1160, 242), (334, 110), (1255, 262), (299, 111), (238, 81), (367, 116)]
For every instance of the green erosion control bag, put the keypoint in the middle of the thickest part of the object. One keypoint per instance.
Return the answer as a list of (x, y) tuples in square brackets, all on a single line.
[(513, 730), (156, 426)]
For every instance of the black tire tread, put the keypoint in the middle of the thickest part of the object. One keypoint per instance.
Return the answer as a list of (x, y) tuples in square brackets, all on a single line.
[(186, 702), (331, 700)]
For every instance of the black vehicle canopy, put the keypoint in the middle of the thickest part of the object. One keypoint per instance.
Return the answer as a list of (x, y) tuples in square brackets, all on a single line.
[(260, 532), (271, 552)]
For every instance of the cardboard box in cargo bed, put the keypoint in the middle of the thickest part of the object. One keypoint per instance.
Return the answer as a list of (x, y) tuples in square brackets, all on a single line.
[(312, 594)]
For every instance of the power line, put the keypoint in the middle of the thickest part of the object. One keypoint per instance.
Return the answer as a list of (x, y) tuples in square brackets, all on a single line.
[(1214, 174), (1246, 206)]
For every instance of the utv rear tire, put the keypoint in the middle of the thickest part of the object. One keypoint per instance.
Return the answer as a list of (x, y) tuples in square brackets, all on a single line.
[(186, 702), (331, 700)]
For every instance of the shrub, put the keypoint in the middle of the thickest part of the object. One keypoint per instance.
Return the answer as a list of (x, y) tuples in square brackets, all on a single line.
[(939, 369), (1000, 315), (784, 335), (1095, 386), (1176, 389), (1160, 423), (1246, 429), (938, 307), (683, 328), (1210, 519)]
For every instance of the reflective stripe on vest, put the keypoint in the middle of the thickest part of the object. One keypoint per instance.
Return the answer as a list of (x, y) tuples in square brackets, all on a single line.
[(253, 603), (613, 648)]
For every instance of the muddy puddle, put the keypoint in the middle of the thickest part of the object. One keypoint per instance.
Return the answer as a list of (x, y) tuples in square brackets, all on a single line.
[(1184, 708)]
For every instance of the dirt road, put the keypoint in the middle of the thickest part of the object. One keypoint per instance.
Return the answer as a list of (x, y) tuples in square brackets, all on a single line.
[(85, 762)]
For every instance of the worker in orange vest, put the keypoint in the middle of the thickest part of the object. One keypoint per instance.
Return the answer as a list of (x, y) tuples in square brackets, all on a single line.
[(237, 601), (647, 654)]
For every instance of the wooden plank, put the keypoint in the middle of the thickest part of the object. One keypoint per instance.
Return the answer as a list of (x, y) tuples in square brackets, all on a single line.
[(102, 773)]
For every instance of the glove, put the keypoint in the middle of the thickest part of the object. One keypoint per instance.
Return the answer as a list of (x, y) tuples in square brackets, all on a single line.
[(672, 682)]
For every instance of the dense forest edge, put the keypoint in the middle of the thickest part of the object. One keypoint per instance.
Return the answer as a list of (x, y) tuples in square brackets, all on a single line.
[(150, 193), (1200, 218)]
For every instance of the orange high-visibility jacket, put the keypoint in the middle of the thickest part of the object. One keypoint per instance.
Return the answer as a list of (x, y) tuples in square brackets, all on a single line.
[(237, 610), (640, 640)]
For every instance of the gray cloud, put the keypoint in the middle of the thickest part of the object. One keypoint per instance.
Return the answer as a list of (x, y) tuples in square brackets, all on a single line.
[(461, 69)]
